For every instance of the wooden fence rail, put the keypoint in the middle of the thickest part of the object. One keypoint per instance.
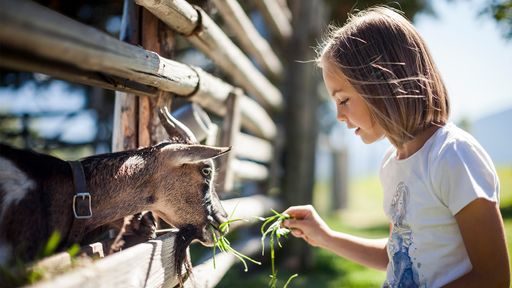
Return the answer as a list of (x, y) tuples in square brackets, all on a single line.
[(200, 29), (276, 17), (34, 35), (249, 38)]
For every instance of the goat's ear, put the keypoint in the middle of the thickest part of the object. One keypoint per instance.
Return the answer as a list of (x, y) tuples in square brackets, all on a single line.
[(185, 153)]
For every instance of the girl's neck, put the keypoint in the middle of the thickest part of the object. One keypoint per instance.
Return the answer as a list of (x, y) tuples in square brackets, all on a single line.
[(411, 147)]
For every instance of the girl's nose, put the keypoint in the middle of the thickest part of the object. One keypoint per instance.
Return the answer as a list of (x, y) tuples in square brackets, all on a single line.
[(340, 115)]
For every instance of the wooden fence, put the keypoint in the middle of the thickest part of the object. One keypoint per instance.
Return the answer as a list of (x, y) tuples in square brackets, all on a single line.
[(36, 39)]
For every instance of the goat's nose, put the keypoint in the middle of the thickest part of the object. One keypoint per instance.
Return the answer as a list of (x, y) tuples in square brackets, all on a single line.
[(220, 216)]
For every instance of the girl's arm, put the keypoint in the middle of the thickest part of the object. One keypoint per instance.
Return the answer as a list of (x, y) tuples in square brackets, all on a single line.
[(308, 225), (482, 230)]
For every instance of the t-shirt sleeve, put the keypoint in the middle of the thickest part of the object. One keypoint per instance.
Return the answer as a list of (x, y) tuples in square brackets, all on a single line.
[(464, 172)]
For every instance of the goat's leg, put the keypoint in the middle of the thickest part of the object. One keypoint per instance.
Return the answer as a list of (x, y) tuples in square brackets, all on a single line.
[(139, 228)]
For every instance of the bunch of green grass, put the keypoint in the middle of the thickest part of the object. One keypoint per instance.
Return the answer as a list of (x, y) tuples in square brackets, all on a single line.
[(274, 232), (223, 244)]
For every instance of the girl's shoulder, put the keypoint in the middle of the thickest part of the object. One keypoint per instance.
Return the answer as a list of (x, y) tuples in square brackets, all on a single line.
[(451, 142), (460, 169)]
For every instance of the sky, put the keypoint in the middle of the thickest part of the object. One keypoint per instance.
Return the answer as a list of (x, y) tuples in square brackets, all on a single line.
[(474, 60)]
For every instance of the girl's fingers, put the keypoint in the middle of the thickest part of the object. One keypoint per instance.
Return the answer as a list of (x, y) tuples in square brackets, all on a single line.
[(297, 233), (299, 211), (292, 223)]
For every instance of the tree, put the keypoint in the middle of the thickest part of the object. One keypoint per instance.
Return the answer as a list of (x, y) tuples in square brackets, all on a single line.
[(501, 11)]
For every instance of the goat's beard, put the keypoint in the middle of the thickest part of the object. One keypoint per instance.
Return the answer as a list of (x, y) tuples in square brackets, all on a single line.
[(184, 238)]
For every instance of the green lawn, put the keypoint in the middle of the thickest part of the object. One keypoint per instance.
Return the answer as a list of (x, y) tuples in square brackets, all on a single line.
[(363, 217)]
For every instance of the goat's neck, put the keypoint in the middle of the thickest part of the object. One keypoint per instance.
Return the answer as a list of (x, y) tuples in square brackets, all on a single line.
[(120, 185)]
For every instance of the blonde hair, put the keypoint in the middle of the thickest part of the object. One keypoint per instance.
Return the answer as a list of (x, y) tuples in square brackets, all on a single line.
[(386, 60)]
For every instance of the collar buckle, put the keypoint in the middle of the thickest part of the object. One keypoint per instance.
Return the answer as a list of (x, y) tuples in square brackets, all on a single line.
[(82, 205)]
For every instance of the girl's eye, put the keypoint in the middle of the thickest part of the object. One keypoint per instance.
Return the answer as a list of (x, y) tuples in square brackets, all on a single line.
[(342, 102), (206, 171)]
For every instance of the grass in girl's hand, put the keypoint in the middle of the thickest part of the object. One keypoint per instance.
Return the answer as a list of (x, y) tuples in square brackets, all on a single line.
[(274, 231), (222, 243)]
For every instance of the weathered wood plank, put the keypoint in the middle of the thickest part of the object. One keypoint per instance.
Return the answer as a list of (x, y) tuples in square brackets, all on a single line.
[(253, 148), (249, 38), (149, 264), (27, 26), (276, 18), (212, 41), (248, 170), (22, 62)]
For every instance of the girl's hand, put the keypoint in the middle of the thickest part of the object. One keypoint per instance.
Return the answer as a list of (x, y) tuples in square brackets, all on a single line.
[(305, 223)]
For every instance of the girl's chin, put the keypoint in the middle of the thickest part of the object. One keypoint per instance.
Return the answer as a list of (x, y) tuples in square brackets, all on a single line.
[(369, 139)]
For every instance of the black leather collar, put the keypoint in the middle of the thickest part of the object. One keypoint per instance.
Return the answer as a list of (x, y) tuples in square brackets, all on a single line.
[(81, 203)]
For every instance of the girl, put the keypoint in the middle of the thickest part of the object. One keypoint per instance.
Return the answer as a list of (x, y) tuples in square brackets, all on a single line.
[(441, 191)]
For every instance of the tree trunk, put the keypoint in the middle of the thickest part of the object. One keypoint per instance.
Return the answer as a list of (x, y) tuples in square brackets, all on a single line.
[(301, 113)]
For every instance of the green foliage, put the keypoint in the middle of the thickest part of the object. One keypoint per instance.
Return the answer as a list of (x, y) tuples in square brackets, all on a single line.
[(274, 232), (223, 244), (501, 11), (505, 175)]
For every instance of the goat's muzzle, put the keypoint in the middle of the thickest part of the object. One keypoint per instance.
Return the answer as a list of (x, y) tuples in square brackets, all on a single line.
[(216, 220)]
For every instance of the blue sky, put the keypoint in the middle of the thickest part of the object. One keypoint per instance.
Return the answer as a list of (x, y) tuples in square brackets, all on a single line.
[(475, 61)]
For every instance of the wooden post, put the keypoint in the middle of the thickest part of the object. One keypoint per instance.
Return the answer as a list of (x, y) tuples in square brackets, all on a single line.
[(158, 38), (339, 179), (300, 114), (125, 132), (230, 130)]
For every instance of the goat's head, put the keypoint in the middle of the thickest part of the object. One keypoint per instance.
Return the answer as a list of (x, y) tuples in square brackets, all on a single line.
[(188, 199)]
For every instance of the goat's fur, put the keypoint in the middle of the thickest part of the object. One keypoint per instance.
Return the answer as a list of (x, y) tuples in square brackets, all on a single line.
[(175, 181)]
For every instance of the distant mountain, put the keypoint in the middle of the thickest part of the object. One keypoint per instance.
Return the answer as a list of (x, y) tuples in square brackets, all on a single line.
[(494, 132)]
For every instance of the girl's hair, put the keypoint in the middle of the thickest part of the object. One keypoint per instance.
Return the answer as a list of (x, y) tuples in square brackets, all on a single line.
[(388, 63)]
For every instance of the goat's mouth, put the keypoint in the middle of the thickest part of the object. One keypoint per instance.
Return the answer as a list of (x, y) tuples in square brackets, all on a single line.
[(213, 230)]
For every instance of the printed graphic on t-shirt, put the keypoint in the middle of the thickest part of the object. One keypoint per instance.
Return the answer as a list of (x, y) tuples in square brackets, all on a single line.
[(403, 273)]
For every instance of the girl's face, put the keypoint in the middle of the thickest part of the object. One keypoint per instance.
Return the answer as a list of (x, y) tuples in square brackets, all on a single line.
[(351, 107)]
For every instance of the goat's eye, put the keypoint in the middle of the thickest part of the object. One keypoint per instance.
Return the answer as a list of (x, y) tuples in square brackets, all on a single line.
[(206, 171)]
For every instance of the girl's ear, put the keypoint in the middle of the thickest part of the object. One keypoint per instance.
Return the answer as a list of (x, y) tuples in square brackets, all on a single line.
[(190, 153)]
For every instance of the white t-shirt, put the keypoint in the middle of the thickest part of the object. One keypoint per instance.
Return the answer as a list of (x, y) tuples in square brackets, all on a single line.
[(422, 193)]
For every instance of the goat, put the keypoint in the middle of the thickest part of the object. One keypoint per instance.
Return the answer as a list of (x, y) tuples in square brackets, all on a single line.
[(173, 179)]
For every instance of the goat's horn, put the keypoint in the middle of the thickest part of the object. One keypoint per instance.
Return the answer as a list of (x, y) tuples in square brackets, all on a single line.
[(196, 120), (174, 127)]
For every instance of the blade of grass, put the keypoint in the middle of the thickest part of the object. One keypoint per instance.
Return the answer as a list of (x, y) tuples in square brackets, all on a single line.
[(289, 280), (224, 245), (274, 232)]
